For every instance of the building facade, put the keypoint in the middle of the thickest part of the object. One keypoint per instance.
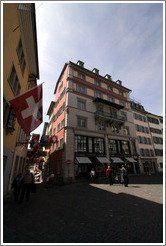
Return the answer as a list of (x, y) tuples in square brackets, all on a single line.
[(20, 73), (94, 124), (156, 129), (150, 141)]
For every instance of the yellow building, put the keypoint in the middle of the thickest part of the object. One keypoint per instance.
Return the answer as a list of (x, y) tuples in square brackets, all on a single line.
[(20, 73)]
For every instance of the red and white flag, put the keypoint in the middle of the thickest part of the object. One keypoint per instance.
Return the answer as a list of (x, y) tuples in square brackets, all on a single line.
[(28, 108), (34, 143)]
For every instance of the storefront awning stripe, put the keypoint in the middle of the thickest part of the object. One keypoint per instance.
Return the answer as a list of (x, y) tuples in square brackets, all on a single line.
[(83, 160), (116, 160), (103, 160), (130, 159)]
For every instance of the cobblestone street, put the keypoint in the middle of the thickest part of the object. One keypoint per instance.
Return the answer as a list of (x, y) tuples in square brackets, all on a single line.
[(87, 212)]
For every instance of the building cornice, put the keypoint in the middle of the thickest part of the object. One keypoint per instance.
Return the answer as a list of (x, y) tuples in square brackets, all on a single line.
[(98, 76)]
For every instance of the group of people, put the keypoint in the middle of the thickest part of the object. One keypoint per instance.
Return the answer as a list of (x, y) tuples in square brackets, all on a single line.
[(22, 186), (123, 176)]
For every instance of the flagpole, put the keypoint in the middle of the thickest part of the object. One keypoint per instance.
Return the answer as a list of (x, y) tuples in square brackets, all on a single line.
[(27, 91)]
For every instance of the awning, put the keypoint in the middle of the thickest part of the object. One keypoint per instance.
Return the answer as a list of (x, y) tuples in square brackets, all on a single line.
[(103, 160), (83, 160), (116, 160), (130, 159)]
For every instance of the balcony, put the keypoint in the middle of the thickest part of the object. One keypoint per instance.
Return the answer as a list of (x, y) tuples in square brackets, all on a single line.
[(110, 118)]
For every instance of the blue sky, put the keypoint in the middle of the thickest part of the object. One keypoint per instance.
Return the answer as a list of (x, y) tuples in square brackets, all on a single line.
[(123, 39)]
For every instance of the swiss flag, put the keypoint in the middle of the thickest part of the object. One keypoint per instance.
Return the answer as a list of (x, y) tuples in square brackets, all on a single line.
[(29, 109), (34, 143)]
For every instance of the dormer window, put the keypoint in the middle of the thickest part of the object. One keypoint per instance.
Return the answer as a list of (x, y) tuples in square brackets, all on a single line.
[(80, 63), (95, 70)]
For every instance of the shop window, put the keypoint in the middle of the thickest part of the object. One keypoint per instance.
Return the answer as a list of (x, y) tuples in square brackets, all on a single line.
[(90, 145), (125, 147), (112, 146), (99, 145), (80, 144)]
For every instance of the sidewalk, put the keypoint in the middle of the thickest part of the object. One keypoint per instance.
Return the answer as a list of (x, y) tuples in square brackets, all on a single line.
[(88, 213)]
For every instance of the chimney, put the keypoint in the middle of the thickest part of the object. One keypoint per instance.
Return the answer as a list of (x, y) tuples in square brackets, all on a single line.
[(107, 76), (119, 82), (95, 70), (80, 63)]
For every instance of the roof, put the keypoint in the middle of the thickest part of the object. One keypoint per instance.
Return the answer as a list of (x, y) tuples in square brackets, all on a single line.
[(52, 104)]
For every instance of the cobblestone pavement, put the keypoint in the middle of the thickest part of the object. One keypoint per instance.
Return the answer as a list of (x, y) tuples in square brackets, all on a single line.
[(88, 213)]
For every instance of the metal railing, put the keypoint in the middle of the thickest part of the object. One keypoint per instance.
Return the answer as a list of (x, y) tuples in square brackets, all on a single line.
[(111, 116)]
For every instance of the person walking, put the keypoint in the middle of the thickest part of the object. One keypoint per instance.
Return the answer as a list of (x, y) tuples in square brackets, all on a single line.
[(109, 175), (93, 175), (125, 176), (27, 182), (16, 185)]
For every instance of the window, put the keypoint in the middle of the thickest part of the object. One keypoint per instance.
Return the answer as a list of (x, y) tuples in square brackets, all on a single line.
[(80, 144), (121, 93), (81, 76), (110, 88), (125, 147), (97, 82), (6, 111), (122, 103), (111, 99), (112, 146), (154, 130), (151, 152), (153, 120), (81, 89), (81, 122), (101, 127), (21, 58), (14, 82), (126, 130), (98, 145), (62, 123), (61, 143), (54, 131), (81, 105), (90, 145), (59, 126), (98, 94), (142, 152), (9, 117)]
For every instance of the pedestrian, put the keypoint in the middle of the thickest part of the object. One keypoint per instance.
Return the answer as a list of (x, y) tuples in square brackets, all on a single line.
[(117, 178), (109, 175), (93, 175), (27, 182), (16, 185), (125, 176)]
